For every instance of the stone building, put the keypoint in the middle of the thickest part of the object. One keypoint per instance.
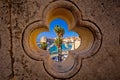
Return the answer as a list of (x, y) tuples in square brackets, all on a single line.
[(97, 21), (43, 39)]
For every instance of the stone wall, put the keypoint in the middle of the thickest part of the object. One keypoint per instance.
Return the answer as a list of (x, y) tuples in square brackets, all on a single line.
[(15, 15)]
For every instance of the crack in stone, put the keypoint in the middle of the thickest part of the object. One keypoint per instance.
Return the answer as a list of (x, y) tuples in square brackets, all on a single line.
[(119, 39), (11, 52), (0, 42), (11, 47)]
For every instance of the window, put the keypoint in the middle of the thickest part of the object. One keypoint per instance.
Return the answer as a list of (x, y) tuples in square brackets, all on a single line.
[(59, 40), (80, 39)]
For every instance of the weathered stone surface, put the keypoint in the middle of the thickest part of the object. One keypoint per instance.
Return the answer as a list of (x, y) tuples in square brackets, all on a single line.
[(5, 42), (24, 12), (15, 64), (105, 64)]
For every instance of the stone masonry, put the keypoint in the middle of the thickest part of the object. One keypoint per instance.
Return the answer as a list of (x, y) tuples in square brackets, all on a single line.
[(16, 65)]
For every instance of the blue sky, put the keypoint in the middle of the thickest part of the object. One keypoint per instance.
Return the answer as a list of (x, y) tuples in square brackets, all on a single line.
[(51, 34)]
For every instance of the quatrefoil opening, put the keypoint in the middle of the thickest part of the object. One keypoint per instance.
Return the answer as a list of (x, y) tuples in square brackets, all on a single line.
[(89, 32), (58, 41)]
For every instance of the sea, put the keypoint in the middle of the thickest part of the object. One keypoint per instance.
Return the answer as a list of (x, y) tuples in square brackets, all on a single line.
[(53, 50)]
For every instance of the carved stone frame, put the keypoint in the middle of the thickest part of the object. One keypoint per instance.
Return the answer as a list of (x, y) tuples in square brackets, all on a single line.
[(90, 36)]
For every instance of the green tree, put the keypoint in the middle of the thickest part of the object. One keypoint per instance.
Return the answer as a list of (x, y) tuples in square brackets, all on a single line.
[(59, 31), (58, 42), (43, 45)]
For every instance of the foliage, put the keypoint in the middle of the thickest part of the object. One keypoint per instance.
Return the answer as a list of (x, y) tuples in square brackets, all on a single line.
[(43, 45), (59, 31), (58, 42)]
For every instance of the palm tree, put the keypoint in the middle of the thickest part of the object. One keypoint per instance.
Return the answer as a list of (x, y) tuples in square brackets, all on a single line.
[(59, 30), (58, 42)]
